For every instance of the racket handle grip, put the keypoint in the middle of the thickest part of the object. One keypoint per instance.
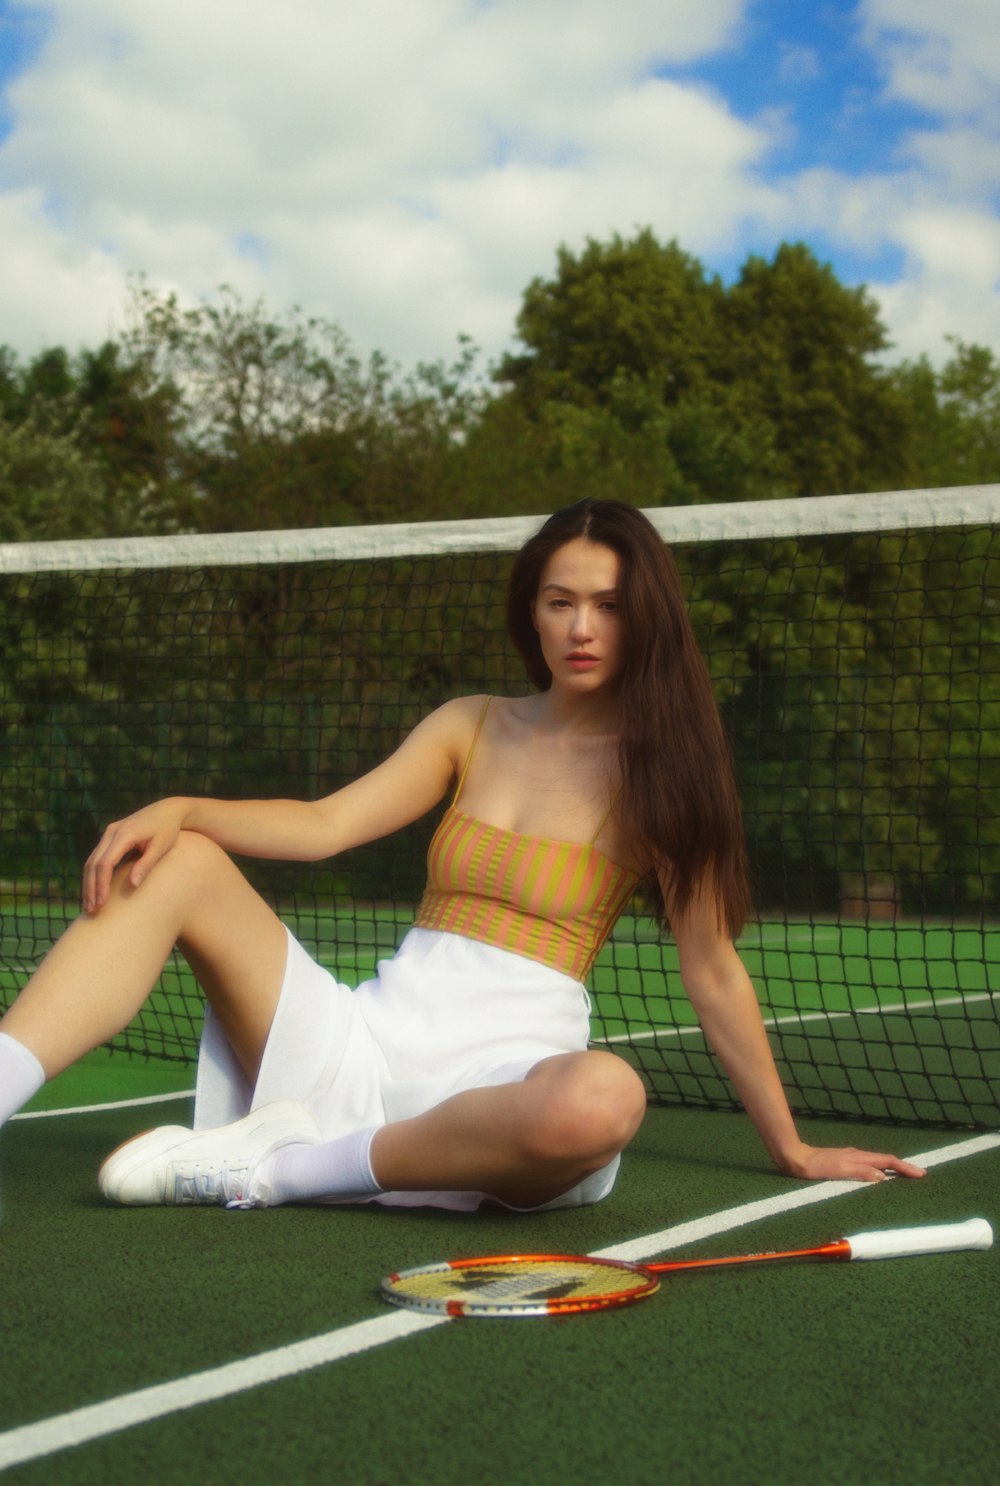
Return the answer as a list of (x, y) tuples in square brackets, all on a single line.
[(936, 1238)]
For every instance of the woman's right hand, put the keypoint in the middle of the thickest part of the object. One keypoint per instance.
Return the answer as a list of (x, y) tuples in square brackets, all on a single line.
[(147, 835)]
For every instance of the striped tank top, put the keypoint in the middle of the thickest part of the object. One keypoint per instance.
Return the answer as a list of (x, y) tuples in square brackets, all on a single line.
[(552, 901)]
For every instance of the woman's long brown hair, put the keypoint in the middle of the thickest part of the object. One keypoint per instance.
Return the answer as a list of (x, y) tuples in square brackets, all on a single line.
[(678, 793)]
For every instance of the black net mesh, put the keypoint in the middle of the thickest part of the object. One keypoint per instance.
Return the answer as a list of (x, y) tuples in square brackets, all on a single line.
[(860, 680)]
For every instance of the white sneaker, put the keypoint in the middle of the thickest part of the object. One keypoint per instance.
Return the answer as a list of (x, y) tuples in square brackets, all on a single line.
[(172, 1165)]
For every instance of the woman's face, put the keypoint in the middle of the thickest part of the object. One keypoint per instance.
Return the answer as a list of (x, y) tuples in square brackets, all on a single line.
[(576, 615)]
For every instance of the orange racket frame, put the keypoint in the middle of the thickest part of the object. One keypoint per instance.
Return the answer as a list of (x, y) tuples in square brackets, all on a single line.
[(507, 1287)]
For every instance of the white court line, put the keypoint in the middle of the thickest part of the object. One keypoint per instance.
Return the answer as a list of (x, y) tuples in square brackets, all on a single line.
[(78, 1109), (796, 1018), (80, 1426)]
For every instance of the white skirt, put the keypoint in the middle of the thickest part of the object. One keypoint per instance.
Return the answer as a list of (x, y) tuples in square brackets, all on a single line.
[(445, 1014)]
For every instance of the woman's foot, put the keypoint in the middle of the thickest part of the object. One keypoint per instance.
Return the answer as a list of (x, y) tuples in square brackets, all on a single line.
[(175, 1166)]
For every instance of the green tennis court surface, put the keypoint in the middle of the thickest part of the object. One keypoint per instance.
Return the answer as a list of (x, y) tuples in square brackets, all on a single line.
[(884, 1372), (270, 1355)]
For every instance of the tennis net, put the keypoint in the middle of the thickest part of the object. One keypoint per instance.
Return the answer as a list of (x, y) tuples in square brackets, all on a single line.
[(854, 642)]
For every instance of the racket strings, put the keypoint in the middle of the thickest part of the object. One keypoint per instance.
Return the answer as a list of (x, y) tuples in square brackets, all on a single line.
[(548, 1285)]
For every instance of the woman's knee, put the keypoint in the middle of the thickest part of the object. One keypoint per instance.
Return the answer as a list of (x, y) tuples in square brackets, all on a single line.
[(192, 888), (592, 1106), (196, 852), (191, 867)]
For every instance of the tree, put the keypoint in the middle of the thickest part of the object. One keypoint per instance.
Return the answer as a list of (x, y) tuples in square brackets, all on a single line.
[(87, 410), (131, 426), (801, 352), (619, 383), (955, 415), (635, 360), (281, 424), (638, 308), (49, 487), (969, 387)]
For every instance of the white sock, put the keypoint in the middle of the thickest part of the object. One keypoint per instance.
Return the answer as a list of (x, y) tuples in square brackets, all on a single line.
[(21, 1076), (340, 1168)]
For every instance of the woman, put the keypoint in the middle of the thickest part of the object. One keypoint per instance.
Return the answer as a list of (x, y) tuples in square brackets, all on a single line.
[(462, 1072)]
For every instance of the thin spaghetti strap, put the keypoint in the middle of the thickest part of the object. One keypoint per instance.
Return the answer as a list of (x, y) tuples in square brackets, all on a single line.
[(472, 749)]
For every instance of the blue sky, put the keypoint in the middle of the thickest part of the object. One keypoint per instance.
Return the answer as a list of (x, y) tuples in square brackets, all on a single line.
[(405, 167), (807, 62)]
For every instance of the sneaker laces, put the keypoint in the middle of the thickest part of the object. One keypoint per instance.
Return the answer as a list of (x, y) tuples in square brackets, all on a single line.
[(243, 1203), (230, 1188)]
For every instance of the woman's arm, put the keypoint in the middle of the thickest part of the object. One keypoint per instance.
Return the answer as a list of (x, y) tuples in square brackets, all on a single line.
[(400, 790), (726, 1004)]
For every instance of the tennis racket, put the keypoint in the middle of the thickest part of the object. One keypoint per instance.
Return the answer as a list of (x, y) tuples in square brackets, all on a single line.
[(566, 1284)]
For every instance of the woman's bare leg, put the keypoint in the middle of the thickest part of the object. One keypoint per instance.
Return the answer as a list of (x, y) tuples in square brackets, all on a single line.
[(95, 979), (524, 1143)]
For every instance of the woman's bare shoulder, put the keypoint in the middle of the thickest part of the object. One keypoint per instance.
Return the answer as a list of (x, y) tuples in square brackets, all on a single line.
[(468, 709), (454, 723), (498, 722), (459, 711)]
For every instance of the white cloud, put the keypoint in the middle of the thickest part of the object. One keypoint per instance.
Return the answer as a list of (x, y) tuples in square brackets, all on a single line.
[(407, 166), (944, 61), (656, 153), (945, 58), (926, 316), (949, 281), (943, 240), (54, 290)]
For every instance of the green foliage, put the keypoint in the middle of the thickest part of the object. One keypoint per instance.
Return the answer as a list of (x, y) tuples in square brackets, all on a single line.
[(118, 687), (95, 437), (862, 696), (623, 383), (955, 416), (767, 388), (635, 308), (49, 486), (281, 424), (638, 375), (801, 350)]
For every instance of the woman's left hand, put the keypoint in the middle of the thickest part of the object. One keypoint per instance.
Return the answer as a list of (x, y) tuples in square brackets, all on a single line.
[(847, 1164)]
